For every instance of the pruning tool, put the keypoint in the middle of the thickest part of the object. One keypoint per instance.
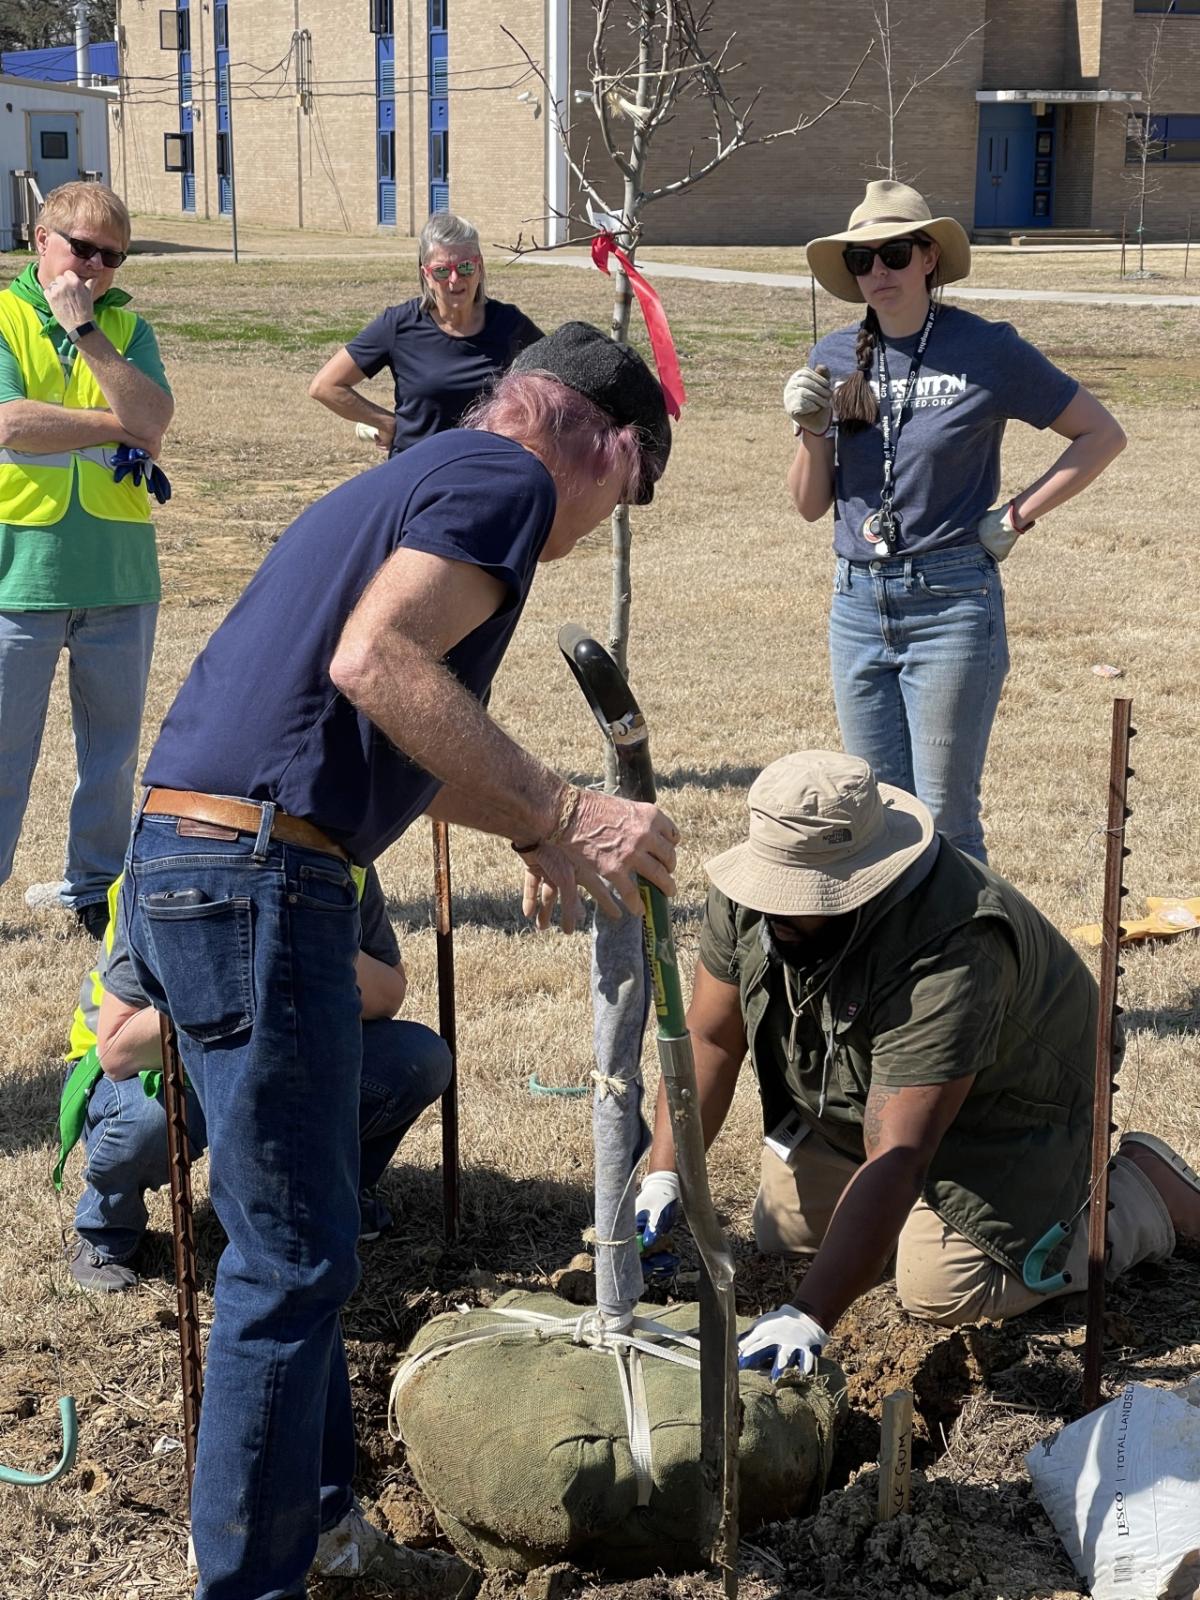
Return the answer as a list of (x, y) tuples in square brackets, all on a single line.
[(623, 725)]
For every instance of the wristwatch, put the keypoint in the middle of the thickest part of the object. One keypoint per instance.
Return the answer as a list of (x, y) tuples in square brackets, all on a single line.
[(81, 332)]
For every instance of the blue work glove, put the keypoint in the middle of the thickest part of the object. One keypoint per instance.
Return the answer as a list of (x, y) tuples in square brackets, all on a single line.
[(130, 462), (657, 1211), (783, 1339)]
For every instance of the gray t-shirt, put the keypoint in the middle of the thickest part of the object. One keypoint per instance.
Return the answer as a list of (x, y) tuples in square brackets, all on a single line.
[(377, 939), (975, 376)]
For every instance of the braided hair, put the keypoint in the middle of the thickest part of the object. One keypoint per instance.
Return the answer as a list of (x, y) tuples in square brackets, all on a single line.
[(857, 406)]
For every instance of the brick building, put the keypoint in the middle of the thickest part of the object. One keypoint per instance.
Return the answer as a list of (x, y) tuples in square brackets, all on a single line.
[(359, 115)]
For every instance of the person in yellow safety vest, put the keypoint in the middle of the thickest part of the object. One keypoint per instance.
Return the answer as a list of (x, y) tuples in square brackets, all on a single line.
[(80, 379), (112, 1098)]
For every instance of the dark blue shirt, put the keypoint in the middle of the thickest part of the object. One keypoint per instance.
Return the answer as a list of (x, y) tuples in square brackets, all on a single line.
[(976, 376), (437, 376), (258, 715)]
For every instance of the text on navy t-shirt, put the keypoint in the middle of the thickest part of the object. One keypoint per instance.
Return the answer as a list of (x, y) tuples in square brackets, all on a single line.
[(258, 715), (437, 375), (976, 375)]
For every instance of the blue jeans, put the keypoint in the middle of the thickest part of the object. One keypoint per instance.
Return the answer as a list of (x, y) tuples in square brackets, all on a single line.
[(260, 979), (919, 654), (405, 1067), (108, 650)]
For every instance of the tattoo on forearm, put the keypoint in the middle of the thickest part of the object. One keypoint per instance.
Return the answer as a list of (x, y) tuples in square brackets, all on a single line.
[(879, 1100)]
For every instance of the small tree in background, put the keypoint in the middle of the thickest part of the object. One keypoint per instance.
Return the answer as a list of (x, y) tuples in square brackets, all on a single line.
[(39, 24), (1143, 141), (648, 59), (901, 85)]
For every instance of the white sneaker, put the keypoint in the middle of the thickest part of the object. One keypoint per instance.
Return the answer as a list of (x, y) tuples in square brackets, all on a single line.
[(355, 1547), (46, 896), (344, 1550)]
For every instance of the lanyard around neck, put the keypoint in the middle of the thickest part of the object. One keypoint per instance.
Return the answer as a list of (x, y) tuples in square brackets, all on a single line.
[(890, 425)]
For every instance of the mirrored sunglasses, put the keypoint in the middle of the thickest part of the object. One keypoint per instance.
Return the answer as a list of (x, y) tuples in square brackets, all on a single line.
[(84, 250), (466, 268), (894, 253)]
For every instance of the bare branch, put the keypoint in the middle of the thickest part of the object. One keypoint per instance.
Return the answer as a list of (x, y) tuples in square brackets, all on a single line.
[(739, 140), (919, 83), (560, 127)]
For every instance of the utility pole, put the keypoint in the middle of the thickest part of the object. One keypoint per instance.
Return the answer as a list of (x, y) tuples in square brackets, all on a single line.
[(83, 39)]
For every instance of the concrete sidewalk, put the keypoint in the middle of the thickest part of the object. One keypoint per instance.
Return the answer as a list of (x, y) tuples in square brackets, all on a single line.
[(796, 280)]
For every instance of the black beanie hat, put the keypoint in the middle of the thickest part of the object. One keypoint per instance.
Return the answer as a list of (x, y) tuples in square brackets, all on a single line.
[(615, 378)]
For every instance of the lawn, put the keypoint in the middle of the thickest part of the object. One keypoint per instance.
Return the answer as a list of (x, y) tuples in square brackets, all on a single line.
[(730, 603)]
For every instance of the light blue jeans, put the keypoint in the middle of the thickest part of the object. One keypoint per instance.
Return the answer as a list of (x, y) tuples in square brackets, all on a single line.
[(919, 654), (405, 1067), (108, 650)]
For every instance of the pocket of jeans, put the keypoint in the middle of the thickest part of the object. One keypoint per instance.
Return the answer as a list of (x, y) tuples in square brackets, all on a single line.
[(204, 956), (324, 889), (958, 584)]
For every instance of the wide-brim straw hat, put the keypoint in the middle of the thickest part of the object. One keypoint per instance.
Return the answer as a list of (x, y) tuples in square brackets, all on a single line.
[(890, 210), (825, 838)]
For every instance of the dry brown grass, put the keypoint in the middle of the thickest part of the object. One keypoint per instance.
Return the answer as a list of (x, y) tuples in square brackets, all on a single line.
[(730, 606)]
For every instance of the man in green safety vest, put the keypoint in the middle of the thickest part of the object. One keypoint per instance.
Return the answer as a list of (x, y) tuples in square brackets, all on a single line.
[(84, 404), (113, 1099)]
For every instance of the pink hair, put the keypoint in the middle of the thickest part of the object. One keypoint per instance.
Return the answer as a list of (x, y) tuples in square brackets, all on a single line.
[(577, 441)]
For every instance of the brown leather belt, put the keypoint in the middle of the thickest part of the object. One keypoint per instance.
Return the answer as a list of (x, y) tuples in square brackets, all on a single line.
[(241, 816)]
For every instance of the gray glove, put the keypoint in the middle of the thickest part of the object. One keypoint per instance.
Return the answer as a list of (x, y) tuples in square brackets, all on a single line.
[(997, 532), (808, 399)]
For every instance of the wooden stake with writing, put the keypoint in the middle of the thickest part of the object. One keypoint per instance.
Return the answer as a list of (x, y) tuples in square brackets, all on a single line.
[(895, 1454)]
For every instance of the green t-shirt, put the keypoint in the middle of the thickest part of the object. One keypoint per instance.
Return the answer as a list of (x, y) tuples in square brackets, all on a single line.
[(80, 560)]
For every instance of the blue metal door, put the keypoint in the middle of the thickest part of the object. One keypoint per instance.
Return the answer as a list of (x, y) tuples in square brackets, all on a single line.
[(224, 147), (1004, 173), (54, 148)]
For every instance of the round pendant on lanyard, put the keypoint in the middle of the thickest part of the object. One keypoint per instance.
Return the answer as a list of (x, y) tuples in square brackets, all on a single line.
[(881, 529)]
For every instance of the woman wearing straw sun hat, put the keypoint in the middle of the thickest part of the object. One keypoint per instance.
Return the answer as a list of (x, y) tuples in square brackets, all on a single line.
[(917, 639)]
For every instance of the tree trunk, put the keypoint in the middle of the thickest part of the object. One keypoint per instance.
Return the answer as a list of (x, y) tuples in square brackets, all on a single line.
[(622, 532)]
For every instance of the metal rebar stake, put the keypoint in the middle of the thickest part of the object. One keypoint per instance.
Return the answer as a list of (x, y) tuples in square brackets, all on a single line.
[(447, 1025), (1106, 1047), (179, 1158)]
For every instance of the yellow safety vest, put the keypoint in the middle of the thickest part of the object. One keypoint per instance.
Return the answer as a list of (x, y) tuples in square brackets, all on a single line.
[(35, 490)]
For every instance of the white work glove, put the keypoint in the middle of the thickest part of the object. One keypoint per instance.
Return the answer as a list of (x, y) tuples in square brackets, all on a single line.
[(997, 532), (784, 1339), (808, 399), (656, 1209)]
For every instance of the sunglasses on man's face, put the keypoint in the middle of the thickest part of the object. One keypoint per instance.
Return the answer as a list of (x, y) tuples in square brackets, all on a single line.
[(84, 250), (894, 253), (466, 268)]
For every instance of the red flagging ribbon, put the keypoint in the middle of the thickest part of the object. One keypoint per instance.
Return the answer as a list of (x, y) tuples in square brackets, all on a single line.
[(661, 342)]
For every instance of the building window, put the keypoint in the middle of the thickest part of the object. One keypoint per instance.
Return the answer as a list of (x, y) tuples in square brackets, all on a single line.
[(439, 158), (381, 16), (174, 30), (177, 152), (1168, 8), (54, 146), (1175, 139), (437, 14)]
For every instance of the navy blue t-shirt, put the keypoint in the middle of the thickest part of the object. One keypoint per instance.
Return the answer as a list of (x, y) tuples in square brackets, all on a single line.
[(976, 375), (437, 376), (258, 715)]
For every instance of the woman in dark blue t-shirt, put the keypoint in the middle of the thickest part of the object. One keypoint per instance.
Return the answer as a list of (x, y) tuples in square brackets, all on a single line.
[(444, 347)]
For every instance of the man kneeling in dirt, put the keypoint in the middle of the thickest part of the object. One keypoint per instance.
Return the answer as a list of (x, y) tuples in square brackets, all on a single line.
[(113, 1096), (924, 1043)]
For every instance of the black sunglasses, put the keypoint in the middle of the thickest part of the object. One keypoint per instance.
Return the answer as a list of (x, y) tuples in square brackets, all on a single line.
[(894, 253), (84, 250)]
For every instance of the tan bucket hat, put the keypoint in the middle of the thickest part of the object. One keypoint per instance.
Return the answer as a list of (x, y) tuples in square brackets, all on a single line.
[(888, 211), (824, 838)]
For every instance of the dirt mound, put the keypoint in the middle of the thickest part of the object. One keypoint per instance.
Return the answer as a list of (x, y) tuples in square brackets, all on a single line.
[(962, 1542)]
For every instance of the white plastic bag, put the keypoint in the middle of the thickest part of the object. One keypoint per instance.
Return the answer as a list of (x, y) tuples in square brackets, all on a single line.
[(1122, 1488)]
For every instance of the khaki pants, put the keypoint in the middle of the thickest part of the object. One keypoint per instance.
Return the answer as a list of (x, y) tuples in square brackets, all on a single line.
[(940, 1275)]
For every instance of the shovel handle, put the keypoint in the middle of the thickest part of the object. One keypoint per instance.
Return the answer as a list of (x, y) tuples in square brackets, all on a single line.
[(623, 725)]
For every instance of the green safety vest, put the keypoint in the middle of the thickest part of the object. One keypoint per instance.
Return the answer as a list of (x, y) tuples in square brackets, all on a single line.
[(77, 1091), (35, 489)]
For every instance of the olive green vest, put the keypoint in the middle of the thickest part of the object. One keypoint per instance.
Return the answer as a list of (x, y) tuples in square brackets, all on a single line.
[(1015, 1159)]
